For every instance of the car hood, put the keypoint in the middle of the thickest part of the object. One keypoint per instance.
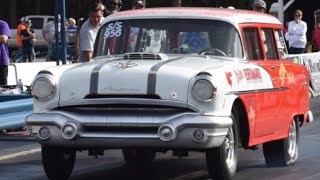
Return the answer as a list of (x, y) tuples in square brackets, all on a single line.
[(162, 78)]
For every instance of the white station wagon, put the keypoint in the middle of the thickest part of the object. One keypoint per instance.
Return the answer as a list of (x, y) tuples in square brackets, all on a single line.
[(181, 79)]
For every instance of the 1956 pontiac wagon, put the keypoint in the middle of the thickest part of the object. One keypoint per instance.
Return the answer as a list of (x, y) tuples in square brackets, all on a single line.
[(181, 79)]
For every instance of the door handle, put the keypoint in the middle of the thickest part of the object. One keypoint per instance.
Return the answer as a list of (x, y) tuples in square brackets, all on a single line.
[(273, 67)]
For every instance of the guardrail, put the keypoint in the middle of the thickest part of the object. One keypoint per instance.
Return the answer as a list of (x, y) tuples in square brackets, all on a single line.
[(13, 113)]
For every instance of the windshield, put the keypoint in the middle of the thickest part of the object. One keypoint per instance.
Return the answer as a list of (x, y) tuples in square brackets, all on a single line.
[(169, 36)]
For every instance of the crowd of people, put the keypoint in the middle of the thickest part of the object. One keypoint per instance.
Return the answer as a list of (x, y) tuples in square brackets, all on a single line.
[(295, 34)]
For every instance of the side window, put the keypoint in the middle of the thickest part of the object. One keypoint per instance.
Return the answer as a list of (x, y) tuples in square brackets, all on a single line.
[(281, 44), (37, 23), (253, 46), (269, 44)]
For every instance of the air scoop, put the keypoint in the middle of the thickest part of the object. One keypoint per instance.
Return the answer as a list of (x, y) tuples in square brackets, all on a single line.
[(144, 56)]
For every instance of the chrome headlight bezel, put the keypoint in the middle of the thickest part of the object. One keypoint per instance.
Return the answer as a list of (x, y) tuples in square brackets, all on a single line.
[(204, 83), (50, 85)]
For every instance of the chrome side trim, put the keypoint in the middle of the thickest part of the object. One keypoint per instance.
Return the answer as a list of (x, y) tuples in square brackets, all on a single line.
[(257, 91), (135, 101)]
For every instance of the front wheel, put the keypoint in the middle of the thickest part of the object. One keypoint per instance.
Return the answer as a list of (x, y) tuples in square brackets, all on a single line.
[(222, 161), (57, 162), (283, 152)]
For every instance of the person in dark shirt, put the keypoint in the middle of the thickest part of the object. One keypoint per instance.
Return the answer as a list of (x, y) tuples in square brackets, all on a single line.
[(28, 37), (5, 34)]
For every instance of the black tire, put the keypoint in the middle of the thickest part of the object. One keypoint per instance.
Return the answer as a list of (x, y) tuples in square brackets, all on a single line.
[(138, 157), (283, 152), (222, 161), (57, 162)]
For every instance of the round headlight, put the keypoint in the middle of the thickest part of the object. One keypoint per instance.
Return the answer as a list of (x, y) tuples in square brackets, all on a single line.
[(203, 90), (43, 88)]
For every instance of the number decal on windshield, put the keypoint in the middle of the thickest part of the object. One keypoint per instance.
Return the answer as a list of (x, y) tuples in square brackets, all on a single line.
[(113, 30)]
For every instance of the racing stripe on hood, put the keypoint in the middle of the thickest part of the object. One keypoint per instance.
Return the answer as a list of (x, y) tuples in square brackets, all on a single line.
[(95, 76), (152, 77)]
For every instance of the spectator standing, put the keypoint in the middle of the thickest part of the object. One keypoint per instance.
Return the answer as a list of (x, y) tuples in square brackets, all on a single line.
[(296, 34), (138, 5), (27, 37), (285, 27), (113, 6), (5, 34), (316, 38), (285, 30), (72, 30), (18, 58), (72, 27), (48, 32), (89, 30), (259, 6)]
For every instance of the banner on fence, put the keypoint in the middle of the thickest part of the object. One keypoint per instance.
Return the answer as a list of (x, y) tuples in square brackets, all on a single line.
[(312, 62)]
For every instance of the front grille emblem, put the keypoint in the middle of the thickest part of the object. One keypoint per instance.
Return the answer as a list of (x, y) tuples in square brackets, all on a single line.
[(125, 65)]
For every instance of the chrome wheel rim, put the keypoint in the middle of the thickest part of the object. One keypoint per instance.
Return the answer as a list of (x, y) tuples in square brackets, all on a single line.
[(292, 140), (230, 149)]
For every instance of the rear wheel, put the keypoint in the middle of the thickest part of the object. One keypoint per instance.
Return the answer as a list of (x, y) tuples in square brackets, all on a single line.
[(283, 152), (140, 157), (57, 162), (222, 161)]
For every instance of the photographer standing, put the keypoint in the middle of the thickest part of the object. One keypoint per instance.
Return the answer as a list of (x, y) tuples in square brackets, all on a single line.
[(27, 37)]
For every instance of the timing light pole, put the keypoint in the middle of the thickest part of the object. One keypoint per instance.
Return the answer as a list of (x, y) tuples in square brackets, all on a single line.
[(60, 18)]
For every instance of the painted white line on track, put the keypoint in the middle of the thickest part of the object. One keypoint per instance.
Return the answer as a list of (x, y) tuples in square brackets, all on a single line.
[(22, 153), (315, 176)]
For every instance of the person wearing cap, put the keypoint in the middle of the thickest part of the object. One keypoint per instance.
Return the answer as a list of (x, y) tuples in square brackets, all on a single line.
[(17, 58), (259, 6), (27, 37), (138, 5), (296, 34)]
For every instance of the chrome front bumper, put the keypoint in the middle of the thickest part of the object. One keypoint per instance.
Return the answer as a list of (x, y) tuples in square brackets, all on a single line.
[(92, 131)]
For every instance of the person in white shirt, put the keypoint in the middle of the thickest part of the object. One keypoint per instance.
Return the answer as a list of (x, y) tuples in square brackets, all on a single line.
[(296, 35), (89, 30)]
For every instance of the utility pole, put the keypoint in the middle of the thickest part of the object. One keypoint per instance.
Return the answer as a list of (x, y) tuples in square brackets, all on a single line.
[(280, 11), (60, 17)]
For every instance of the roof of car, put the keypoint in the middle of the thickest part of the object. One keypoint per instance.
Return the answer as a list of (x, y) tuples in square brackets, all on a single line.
[(235, 16)]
